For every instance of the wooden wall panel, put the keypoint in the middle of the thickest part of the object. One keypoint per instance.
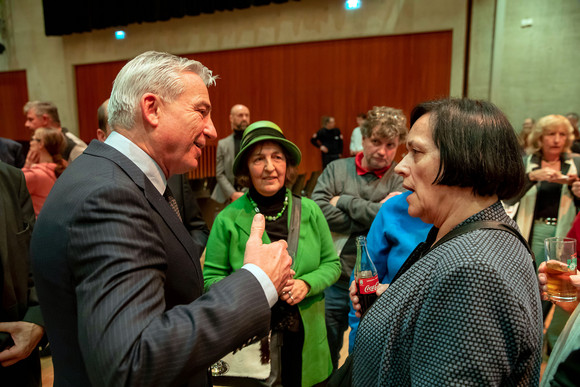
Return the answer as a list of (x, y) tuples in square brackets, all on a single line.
[(294, 85), (13, 97), (94, 84)]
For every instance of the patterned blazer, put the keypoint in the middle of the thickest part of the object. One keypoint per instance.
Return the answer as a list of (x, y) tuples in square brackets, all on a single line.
[(467, 314), (121, 287)]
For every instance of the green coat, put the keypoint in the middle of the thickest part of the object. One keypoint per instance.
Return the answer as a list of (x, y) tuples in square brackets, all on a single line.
[(316, 263)]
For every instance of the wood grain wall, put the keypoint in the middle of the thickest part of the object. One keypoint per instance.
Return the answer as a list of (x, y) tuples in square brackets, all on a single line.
[(294, 85), (13, 97)]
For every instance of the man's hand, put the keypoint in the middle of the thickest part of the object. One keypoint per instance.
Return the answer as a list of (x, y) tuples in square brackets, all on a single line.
[(236, 195), (354, 298), (273, 258), (323, 149), (543, 283), (25, 336), (392, 194), (334, 200)]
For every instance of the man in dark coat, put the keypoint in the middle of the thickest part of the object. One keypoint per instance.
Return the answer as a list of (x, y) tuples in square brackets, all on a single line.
[(119, 278), (21, 325)]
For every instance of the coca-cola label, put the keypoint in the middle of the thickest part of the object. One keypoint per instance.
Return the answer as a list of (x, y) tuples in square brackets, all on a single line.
[(368, 285)]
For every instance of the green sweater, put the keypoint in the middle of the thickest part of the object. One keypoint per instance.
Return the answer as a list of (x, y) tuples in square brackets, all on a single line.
[(316, 263)]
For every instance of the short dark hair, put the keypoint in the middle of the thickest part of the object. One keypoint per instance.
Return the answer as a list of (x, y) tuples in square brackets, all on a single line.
[(477, 144), (243, 177), (324, 120)]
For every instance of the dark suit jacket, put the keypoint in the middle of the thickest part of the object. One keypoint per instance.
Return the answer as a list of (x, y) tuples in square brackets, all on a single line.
[(120, 283), (11, 152), (189, 208), (19, 302)]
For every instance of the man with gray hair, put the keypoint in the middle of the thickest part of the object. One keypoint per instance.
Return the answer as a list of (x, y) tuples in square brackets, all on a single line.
[(178, 184), (118, 276), (41, 114)]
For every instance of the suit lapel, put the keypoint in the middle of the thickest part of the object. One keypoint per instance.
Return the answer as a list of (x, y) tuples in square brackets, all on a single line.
[(153, 196)]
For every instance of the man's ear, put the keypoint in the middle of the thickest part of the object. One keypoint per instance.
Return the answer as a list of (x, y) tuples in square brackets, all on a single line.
[(150, 105), (101, 135), (45, 120)]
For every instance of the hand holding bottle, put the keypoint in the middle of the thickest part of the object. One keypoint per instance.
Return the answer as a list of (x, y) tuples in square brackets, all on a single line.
[(354, 298)]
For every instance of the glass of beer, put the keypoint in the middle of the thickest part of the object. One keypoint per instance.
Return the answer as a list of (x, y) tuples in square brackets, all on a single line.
[(560, 265)]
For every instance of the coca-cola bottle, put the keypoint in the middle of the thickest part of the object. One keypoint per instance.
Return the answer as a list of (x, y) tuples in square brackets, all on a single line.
[(365, 275)]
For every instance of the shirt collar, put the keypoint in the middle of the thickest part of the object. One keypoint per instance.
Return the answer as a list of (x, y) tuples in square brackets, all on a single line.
[(141, 159), (360, 170)]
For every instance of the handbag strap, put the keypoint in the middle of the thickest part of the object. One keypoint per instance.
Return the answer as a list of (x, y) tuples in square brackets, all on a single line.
[(467, 227), (484, 224), (294, 229)]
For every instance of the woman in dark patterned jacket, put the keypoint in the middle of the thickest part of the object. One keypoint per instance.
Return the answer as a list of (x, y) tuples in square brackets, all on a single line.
[(465, 310)]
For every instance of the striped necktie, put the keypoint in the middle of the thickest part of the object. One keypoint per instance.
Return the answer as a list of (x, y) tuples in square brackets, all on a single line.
[(172, 202)]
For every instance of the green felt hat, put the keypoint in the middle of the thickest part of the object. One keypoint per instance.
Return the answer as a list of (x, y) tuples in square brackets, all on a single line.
[(265, 131)]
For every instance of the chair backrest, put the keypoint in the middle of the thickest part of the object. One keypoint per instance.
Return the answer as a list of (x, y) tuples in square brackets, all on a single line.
[(311, 184), (299, 184)]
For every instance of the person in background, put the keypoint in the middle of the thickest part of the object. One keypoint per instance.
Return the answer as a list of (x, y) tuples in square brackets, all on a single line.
[(11, 152), (573, 118), (329, 140), (41, 114), (393, 236), (527, 127), (227, 189), (21, 323), (47, 144), (551, 195), (103, 129), (178, 184), (350, 193), (266, 161), (356, 136), (464, 309)]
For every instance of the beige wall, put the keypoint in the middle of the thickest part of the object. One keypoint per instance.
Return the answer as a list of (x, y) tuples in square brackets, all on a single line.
[(50, 61), (529, 71)]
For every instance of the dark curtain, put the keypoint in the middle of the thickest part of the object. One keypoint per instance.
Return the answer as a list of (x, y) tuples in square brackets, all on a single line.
[(62, 17)]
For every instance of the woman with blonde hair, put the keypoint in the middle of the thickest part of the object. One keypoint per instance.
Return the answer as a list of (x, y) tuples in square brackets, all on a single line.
[(547, 205), (44, 164)]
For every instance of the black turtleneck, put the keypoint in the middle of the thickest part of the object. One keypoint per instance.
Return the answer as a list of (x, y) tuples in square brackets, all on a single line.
[(271, 205), (238, 134)]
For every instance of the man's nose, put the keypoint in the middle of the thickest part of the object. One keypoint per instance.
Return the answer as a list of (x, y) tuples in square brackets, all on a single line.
[(210, 131), (382, 150)]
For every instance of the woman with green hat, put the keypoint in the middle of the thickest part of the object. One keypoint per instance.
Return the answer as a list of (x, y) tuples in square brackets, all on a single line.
[(296, 352)]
